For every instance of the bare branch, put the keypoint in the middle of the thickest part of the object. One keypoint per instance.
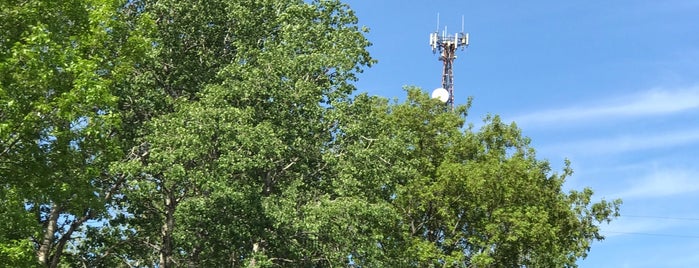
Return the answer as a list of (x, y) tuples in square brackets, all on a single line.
[(384, 160), (368, 139), (115, 187), (290, 164), (282, 259)]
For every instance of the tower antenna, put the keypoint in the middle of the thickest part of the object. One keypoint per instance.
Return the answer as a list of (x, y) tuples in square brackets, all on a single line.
[(446, 45), (437, 21)]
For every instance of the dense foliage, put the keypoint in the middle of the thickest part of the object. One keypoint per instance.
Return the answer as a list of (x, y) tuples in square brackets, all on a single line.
[(227, 133)]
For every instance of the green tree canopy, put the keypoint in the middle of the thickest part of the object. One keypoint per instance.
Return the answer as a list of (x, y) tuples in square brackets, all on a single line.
[(228, 133), (465, 197), (59, 64)]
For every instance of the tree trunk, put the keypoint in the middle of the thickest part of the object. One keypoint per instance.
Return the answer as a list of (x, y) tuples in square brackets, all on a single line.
[(49, 255), (166, 231), (44, 253), (255, 249)]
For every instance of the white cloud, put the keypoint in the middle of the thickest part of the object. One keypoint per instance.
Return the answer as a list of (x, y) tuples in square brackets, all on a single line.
[(662, 183), (652, 102), (625, 143), (625, 226)]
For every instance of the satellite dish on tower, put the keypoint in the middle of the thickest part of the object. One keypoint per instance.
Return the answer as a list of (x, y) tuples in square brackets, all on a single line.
[(441, 94)]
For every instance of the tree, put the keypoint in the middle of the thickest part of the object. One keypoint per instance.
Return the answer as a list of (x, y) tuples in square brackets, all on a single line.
[(59, 62), (466, 198), (241, 128)]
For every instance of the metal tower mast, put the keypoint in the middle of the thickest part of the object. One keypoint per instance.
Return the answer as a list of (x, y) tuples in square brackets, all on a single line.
[(446, 45)]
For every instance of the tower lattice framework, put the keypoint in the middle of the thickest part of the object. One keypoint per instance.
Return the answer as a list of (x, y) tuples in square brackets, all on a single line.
[(447, 45)]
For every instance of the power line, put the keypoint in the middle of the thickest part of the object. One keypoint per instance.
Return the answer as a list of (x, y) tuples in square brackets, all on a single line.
[(651, 234), (660, 217)]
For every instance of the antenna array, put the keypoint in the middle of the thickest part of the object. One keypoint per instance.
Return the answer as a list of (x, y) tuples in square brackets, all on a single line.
[(446, 45)]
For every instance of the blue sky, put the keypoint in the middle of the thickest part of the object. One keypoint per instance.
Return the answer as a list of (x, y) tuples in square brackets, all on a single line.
[(611, 85)]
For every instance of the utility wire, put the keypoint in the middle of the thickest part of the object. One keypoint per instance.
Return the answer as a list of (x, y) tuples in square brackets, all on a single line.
[(660, 217), (651, 234), (656, 234)]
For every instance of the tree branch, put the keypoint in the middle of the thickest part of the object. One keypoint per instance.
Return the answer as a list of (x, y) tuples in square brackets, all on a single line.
[(9, 146), (58, 250), (290, 164), (282, 259)]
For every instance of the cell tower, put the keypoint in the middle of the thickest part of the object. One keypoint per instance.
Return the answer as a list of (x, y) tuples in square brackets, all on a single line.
[(446, 45)]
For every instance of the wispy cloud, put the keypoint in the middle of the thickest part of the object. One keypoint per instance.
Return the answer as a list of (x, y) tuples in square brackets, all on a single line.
[(625, 143), (655, 187), (626, 226), (662, 183), (652, 102)]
